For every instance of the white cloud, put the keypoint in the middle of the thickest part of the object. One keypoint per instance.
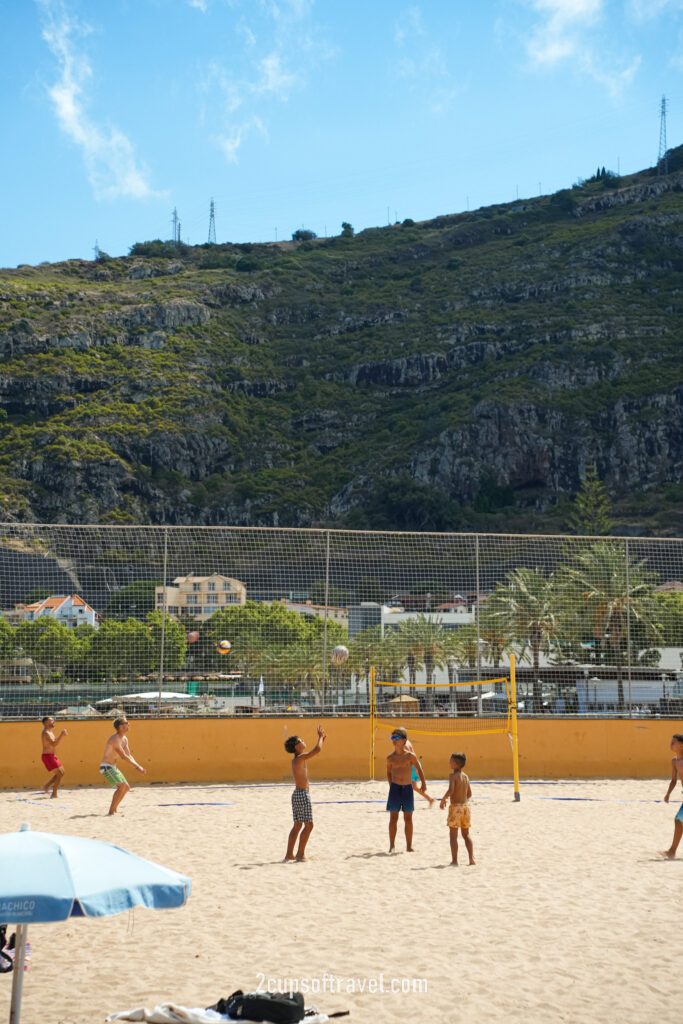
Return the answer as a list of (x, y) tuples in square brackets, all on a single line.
[(273, 77), (200, 5), (569, 31), (230, 143), (408, 24), (614, 80), (280, 48), (421, 62), (560, 32), (111, 164), (646, 10)]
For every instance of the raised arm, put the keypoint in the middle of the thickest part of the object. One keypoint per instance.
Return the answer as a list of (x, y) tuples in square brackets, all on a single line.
[(61, 736), (317, 748)]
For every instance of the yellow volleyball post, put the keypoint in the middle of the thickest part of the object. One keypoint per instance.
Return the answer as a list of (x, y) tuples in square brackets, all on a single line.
[(372, 722), (513, 725)]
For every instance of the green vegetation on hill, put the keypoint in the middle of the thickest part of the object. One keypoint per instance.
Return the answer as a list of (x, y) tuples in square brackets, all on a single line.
[(461, 373)]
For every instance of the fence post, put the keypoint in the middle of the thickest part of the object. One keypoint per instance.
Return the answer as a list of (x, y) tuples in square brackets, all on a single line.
[(327, 594), (476, 607), (628, 624), (163, 621)]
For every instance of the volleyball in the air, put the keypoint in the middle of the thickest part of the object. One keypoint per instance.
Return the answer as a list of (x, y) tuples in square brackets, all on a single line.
[(340, 654), (223, 646)]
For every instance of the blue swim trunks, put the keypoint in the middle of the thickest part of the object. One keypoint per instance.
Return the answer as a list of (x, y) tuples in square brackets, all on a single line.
[(679, 816), (401, 798)]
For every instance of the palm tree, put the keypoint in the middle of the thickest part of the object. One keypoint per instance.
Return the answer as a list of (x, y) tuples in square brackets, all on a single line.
[(612, 590), (463, 645), (364, 652), (497, 639), (423, 638), (526, 608)]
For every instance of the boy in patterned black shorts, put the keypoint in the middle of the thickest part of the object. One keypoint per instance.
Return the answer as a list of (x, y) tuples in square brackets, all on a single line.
[(301, 797)]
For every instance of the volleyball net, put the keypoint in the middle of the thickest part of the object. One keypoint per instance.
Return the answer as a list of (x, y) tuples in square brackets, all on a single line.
[(479, 707), (271, 621)]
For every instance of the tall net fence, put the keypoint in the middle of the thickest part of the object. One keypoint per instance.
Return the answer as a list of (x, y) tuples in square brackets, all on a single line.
[(227, 621)]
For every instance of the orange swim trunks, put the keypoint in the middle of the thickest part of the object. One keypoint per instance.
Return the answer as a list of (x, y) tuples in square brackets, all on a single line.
[(459, 816)]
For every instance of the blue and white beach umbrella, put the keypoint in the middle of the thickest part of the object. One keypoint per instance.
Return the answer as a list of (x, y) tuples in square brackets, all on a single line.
[(48, 877)]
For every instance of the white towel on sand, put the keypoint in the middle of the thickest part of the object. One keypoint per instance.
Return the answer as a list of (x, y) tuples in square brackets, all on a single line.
[(170, 1013)]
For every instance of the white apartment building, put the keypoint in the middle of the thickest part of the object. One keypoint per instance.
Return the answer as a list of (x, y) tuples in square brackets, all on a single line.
[(199, 597)]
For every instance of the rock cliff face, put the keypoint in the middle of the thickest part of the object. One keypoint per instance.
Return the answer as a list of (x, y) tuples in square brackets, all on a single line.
[(460, 373)]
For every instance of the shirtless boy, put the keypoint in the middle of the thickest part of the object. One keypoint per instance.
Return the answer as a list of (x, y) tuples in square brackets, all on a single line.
[(117, 746), (302, 810), (49, 757), (459, 811), (399, 768), (676, 746)]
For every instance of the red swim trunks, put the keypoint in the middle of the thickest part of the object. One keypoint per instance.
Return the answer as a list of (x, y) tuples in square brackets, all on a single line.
[(51, 762)]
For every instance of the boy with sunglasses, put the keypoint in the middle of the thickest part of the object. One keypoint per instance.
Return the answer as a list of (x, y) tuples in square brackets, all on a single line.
[(399, 769)]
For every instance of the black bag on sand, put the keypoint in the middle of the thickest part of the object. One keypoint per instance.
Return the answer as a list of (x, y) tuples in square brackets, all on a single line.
[(6, 962), (277, 1007)]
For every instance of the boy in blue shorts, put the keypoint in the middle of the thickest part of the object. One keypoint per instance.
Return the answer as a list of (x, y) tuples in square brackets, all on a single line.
[(399, 767), (676, 746)]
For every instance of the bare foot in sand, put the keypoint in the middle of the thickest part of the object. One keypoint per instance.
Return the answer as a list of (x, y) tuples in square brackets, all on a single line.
[(667, 854), (409, 849)]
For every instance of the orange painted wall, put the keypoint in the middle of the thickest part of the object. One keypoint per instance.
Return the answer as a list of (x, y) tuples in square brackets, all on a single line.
[(230, 750)]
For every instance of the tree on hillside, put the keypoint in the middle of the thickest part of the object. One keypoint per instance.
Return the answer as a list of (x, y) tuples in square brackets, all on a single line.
[(6, 640), (668, 613), (136, 600), (347, 230), (175, 641), (590, 514), (50, 643), (121, 650)]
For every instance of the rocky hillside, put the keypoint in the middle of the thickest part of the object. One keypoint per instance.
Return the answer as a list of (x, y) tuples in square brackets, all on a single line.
[(454, 374)]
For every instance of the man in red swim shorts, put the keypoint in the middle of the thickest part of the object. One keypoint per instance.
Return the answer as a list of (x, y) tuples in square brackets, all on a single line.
[(49, 757)]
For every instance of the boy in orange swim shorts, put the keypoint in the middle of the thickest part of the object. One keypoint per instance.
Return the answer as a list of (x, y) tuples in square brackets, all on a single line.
[(459, 810)]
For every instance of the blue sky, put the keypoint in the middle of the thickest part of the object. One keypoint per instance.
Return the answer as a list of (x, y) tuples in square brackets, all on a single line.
[(313, 112)]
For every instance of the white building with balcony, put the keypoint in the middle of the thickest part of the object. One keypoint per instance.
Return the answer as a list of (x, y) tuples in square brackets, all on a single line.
[(198, 597)]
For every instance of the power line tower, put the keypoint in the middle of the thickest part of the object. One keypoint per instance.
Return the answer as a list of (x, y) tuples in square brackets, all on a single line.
[(212, 223), (176, 226), (663, 157)]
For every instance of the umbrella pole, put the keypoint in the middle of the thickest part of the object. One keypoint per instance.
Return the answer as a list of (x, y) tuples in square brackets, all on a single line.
[(18, 973)]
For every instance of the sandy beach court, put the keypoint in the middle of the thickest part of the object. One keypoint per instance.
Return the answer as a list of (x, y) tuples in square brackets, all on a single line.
[(569, 915)]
